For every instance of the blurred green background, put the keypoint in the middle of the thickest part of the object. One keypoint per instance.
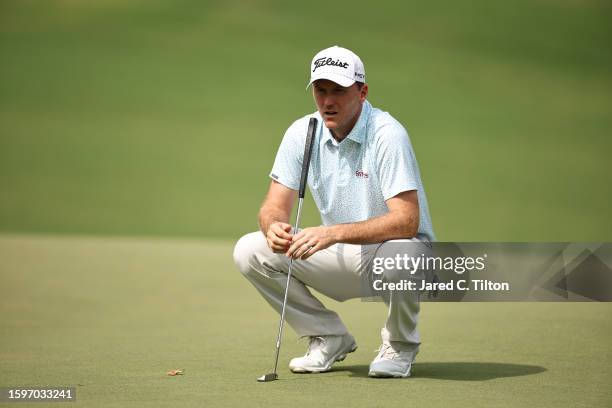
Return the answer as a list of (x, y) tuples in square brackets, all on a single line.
[(163, 118)]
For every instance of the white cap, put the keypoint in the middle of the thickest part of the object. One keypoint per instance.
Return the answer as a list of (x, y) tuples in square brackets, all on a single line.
[(337, 64)]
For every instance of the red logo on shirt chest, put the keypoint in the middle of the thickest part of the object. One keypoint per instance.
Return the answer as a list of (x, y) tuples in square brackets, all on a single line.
[(361, 174)]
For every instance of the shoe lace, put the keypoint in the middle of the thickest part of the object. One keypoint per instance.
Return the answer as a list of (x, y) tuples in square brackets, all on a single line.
[(386, 351), (315, 343)]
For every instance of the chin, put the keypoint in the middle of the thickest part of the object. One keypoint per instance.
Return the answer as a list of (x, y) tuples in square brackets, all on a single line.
[(330, 124)]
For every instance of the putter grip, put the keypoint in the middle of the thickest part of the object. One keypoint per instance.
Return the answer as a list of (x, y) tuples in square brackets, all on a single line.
[(312, 128)]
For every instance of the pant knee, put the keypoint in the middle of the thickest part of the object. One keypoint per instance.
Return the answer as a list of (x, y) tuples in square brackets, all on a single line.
[(246, 250), (403, 254)]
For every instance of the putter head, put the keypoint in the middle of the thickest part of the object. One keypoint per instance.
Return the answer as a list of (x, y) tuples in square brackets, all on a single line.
[(268, 377)]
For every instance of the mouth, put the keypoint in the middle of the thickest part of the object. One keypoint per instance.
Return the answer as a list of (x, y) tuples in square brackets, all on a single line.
[(330, 114)]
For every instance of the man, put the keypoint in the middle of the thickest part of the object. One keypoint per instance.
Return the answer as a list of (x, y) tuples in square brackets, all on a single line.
[(366, 184)]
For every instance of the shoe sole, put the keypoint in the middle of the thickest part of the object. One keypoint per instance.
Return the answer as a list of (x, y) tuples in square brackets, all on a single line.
[(379, 374), (315, 370)]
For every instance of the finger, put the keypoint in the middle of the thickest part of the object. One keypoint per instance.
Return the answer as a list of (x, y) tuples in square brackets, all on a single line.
[(272, 245), (292, 248), (273, 235), (302, 250), (280, 242), (295, 246), (277, 244), (311, 251), (279, 248), (281, 231)]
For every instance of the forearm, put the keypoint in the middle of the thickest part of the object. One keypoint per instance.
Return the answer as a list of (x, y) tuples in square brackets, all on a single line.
[(379, 229), (402, 221)]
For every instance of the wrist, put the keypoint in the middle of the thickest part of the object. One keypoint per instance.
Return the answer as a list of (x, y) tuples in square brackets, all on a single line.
[(335, 233), (264, 226)]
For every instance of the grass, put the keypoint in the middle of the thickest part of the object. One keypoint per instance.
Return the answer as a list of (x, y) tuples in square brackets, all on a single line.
[(126, 118), (112, 316)]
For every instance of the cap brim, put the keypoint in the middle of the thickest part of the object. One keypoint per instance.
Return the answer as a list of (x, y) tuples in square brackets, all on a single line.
[(339, 79)]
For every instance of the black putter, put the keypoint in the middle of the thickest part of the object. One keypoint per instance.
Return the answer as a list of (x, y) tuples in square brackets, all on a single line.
[(312, 126)]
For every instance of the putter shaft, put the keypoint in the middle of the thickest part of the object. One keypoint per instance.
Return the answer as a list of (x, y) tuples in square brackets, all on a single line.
[(310, 136), (282, 319)]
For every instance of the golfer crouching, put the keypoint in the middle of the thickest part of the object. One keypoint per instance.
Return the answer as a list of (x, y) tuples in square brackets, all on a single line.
[(365, 181)]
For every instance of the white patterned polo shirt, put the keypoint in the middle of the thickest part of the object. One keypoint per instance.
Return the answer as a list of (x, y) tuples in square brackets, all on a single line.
[(351, 180)]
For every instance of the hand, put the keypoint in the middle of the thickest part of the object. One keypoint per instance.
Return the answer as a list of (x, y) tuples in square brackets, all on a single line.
[(309, 241), (279, 237)]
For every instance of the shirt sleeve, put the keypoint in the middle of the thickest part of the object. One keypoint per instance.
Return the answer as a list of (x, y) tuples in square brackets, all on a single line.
[(288, 162), (395, 161)]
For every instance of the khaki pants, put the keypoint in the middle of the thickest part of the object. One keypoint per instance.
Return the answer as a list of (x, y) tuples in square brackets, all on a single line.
[(338, 272)]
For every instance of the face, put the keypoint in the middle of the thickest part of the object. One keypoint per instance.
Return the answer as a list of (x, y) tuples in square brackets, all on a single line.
[(339, 106)]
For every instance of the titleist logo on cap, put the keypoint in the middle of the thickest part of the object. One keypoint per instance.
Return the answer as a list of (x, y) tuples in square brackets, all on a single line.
[(321, 62), (339, 65)]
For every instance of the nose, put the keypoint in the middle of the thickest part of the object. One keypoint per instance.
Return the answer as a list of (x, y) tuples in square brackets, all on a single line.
[(329, 101)]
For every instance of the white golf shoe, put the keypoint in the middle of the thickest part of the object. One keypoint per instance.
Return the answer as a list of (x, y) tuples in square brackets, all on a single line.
[(323, 351), (393, 360)]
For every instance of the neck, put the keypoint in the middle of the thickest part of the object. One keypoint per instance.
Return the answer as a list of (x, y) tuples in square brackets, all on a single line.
[(337, 136)]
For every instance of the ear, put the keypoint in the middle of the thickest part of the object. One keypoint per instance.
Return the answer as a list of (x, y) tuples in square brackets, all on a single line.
[(364, 92)]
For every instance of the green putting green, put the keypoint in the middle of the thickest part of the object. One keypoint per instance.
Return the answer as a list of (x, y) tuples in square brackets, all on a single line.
[(113, 316), (163, 118)]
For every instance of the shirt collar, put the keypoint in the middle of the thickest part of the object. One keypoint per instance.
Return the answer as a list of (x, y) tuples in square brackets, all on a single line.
[(357, 134)]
